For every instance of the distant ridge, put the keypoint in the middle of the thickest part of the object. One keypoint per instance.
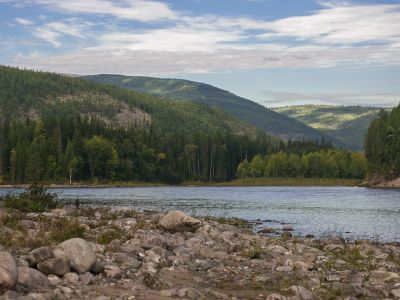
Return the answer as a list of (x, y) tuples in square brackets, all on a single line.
[(255, 114), (349, 124)]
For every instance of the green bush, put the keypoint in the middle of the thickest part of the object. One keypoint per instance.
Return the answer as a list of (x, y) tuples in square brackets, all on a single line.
[(108, 236), (35, 199)]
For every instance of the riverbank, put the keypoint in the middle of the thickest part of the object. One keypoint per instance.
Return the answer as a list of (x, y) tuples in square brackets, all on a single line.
[(74, 253), (282, 182), (382, 182), (237, 182)]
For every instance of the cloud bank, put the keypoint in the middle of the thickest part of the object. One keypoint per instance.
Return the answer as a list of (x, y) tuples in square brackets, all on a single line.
[(151, 38)]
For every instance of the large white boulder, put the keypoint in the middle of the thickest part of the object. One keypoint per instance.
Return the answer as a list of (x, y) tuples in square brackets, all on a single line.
[(78, 252), (8, 271), (177, 221)]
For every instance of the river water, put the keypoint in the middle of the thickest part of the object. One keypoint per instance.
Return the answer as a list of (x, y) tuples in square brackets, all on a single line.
[(320, 211)]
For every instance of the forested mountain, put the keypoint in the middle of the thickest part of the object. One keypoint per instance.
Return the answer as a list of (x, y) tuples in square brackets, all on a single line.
[(382, 144), (348, 124), (54, 127), (272, 122)]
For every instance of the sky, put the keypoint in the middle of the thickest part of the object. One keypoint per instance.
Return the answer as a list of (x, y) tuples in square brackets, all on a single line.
[(274, 52)]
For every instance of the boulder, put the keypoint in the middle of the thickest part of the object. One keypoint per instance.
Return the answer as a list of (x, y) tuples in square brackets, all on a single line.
[(86, 278), (287, 228), (8, 271), (31, 278), (78, 252), (54, 280), (71, 278), (302, 292), (97, 248), (38, 255), (55, 266), (98, 267), (395, 293), (113, 271), (383, 276), (177, 221)]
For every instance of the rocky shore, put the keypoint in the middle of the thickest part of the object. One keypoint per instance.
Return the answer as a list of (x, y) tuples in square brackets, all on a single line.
[(102, 254), (379, 181)]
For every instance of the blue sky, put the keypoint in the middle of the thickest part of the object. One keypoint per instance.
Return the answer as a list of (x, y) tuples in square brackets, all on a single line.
[(275, 52)]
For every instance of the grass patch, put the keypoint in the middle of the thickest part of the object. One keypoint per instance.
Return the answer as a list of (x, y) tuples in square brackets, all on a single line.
[(35, 198), (49, 231), (109, 235), (253, 252)]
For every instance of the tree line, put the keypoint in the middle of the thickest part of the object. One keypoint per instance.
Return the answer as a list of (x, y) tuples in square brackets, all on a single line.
[(324, 163), (382, 144), (79, 149)]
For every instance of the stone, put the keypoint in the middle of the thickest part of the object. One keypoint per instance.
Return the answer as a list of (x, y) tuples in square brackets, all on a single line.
[(177, 221), (71, 277), (55, 266), (11, 295), (38, 255), (302, 292), (132, 245), (37, 296), (275, 297), (149, 241), (267, 230), (126, 260), (383, 276), (97, 248), (31, 278), (54, 280), (287, 228), (86, 278), (333, 278), (189, 293), (113, 271), (98, 267), (8, 271), (78, 252), (168, 293), (334, 248), (395, 293), (59, 212), (277, 250), (28, 224), (284, 269)]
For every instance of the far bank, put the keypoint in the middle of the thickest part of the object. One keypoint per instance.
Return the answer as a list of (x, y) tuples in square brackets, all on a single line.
[(238, 182)]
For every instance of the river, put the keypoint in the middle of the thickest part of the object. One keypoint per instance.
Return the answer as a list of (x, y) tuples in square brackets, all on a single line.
[(320, 211)]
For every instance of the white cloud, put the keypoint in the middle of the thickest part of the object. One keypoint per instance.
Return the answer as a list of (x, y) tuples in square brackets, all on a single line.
[(341, 24), (339, 33), (68, 29), (23, 22), (279, 98), (140, 10), (48, 36)]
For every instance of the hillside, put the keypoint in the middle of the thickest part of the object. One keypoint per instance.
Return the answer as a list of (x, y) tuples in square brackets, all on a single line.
[(272, 122), (348, 124), (54, 127), (382, 149), (29, 94)]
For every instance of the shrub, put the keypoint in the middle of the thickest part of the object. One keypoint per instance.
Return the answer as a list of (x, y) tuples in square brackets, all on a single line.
[(35, 199), (109, 235)]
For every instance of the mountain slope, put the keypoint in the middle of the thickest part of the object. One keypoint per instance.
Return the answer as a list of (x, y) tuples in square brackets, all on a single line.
[(55, 128), (29, 94), (246, 110), (348, 124)]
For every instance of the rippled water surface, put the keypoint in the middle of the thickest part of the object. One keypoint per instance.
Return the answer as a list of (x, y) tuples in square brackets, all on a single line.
[(354, 212)]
